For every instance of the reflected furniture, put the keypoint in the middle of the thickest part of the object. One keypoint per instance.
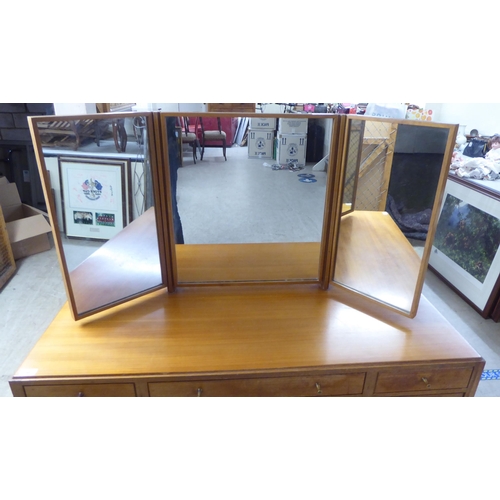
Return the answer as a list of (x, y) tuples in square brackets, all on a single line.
[(250, 340), (229, 125), (73, 134), (188, 137), (212, 138), (67, 133)]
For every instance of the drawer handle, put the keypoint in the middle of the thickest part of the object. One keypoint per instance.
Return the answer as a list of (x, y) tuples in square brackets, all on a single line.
[(80, 395), (318, 387), (425, 381), (200, 390)]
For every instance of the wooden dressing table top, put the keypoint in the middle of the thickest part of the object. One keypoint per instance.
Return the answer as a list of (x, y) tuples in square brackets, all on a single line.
[(237, 328)]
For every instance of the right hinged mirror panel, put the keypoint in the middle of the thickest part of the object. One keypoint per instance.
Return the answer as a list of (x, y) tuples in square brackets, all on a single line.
[(392, 177)]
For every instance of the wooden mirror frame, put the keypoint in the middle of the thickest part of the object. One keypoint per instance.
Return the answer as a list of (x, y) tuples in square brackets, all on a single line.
[(158, 148), (361, 250), (286, 257), (85, 296)]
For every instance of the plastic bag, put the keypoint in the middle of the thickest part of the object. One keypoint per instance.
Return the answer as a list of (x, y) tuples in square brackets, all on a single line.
[(386, 110)]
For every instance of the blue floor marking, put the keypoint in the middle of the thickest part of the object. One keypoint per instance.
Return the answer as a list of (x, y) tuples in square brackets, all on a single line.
[(490, 375)]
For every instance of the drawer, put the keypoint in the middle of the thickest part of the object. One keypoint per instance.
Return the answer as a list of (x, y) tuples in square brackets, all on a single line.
[(321, 385), (423, 380), (76, 390)]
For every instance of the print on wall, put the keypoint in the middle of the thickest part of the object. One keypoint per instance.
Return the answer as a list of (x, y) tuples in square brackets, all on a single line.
[(466, 243), (94, 197)]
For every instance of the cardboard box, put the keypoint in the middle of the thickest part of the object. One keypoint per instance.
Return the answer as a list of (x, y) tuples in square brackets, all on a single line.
[(291, 149), (260, 143), (7, 264), (292, 126), (265, 123), (27, 227)]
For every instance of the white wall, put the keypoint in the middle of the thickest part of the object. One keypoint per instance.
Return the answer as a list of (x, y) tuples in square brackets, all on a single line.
[(74, 108), (171, 107), (485, 117)]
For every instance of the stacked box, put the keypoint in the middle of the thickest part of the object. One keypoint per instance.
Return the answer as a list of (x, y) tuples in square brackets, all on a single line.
[(291, 148), (262, 123), (292, 141), (260, 143), (293, 126)]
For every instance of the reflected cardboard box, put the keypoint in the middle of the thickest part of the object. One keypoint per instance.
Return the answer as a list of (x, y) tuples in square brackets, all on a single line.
[(291, 148), (260, 143)]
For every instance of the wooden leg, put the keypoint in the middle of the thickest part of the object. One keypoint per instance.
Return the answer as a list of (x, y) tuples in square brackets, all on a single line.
[(193, 145), (224, 149)]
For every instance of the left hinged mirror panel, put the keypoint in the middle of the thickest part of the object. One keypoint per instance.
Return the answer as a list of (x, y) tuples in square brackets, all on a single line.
[(101, 181)]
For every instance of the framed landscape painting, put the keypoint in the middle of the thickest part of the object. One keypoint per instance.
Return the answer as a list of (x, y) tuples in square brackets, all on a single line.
[(466, 245)]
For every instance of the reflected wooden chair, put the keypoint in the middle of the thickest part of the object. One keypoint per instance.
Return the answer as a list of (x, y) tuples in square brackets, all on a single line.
[(189, 137), (211, 136)]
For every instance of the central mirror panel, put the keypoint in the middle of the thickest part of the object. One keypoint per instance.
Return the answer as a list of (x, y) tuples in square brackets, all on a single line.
[(393, 176), (98, 174), (249, 195)]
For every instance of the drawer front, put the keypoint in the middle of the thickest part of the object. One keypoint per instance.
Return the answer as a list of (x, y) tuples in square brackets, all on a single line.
[(80, 390), (323, 385), (423, 380)]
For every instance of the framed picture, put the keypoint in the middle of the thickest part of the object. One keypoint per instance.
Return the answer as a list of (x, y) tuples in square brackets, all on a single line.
[(466, 245), (95, 196)]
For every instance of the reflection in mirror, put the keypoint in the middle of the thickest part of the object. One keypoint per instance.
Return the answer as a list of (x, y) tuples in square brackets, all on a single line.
[(99, 170), (255, 213), (392, 173)]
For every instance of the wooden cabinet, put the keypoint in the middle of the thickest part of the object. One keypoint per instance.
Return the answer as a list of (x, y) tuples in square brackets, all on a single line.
[(253, 340), (235, 107)]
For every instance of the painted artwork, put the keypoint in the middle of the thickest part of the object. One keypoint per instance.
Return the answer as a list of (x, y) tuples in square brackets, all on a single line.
[(468, 236)]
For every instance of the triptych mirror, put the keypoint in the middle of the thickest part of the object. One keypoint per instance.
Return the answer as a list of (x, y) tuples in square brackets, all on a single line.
[(134, 208)]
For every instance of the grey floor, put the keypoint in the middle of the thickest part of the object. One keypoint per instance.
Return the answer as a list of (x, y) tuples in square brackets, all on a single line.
[(240, 200)]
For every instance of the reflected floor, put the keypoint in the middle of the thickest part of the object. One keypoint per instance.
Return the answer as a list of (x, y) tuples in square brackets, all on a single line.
[(244, 200)]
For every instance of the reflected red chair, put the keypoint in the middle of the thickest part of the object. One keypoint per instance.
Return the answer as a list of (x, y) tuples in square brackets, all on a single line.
[(209, 137)]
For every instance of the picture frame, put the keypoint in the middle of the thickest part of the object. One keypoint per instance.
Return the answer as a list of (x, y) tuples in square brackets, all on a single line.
[(95, 195), (465, 251)]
